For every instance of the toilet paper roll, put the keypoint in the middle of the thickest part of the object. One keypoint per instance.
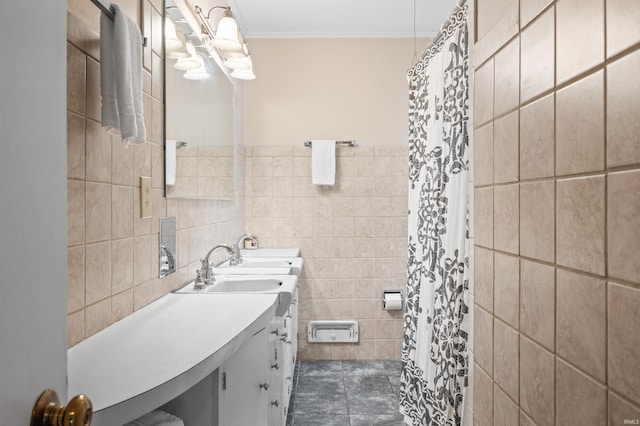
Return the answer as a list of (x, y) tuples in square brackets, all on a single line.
[(392, 301)]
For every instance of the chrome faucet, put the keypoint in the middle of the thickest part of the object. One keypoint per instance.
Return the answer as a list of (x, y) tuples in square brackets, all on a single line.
[(236, 259), (205, 271)]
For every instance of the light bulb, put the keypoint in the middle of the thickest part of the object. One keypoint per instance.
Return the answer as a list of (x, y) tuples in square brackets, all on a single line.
[(192, 62), (171, 41), (226, 37), (243, 74)]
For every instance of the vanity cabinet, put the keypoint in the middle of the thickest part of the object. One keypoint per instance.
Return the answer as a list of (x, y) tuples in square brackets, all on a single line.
[(245, 384), (255, 384)]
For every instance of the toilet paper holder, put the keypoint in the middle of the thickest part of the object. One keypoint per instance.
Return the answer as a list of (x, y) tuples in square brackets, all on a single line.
[(392, 297)]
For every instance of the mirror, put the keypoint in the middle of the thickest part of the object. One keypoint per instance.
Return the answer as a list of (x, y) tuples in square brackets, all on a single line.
[(199, 113)]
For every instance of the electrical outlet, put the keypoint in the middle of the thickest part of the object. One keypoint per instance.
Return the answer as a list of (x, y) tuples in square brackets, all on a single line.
[(145, 197)]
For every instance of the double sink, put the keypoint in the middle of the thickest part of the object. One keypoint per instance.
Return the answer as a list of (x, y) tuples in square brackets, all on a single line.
[(261, 271)]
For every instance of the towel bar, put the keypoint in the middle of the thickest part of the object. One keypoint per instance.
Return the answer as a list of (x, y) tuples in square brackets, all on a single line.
[(349, 143), (105, 7)]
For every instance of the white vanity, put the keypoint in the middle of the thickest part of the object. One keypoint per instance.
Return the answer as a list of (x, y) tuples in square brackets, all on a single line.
[(223, 358)]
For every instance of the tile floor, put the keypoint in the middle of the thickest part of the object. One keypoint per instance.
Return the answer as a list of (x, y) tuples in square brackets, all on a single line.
[(345, 393)]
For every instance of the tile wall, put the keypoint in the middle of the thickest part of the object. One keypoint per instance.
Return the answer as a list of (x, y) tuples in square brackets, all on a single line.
[(557, 220), (353, 238), (113, 254)]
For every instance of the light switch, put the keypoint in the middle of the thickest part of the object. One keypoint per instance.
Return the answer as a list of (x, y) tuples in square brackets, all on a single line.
[(145, 197)]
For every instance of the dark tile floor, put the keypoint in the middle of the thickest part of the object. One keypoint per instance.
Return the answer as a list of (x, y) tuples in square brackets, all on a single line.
[(345, 393)]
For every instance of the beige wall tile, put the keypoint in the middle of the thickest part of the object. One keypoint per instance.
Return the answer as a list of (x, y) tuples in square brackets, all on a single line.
[(505, 149), (489, 12), (622, 25), (122, 163), (483, 279), (526, 420), (122, 211), (537, 220), (75, 328), (76, 79), (142, 258), (97, 212), (483, 398), (504, 29), (623, 107), (537, 139), (506, 236), (506, 358), (75, 212), (581, 322), (620, 410), (483, 340), (562, 221), (580, 126), (98, 148), (623, 225), (507, 78), (537, 56), (484, 217), (121, 305), (483, 94), (529, 9), (75, 279), (579, 37), (580, 223), (97, 317), (483, 155), (93, 102), (580, 399), (537, 380), (141, 161), (624, 340), (537, 303), (505, 411), (121, 265), (98, 272), (507, 288), (75, 146)]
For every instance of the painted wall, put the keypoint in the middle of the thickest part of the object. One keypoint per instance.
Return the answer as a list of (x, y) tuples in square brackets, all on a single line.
[(112, 253), (557, 220), (328, 88), (352, 235)]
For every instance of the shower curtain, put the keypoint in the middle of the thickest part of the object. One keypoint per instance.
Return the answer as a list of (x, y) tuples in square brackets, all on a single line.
[(435, 366)]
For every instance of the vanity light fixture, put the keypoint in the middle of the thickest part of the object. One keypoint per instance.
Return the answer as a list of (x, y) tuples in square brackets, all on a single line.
[(199, 73), (227, 40), (191, 62), (225, 36), (171, 40), (243, 74)]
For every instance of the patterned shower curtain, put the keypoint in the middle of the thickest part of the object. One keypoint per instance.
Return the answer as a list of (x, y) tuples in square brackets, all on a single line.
[(435, 370)]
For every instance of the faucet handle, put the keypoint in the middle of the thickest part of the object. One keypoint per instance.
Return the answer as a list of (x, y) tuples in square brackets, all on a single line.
[(199, 282)]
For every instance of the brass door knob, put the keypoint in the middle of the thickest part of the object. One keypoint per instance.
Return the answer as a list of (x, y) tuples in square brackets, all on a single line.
[(48, 412)]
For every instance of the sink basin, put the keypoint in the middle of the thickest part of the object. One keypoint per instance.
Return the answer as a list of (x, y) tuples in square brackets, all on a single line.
[(271, 252), (283, 285), (246, 286), (263, 266)]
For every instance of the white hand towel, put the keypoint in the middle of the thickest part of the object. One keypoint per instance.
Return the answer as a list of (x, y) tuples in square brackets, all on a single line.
[(170, 162), (323, 162), (156, 418), (121, 76)]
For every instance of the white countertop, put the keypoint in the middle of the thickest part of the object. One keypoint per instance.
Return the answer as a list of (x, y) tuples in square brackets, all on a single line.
[(155, 354)]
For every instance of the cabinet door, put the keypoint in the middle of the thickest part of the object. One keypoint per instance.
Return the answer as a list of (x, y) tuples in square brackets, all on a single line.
[(243, 397)]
